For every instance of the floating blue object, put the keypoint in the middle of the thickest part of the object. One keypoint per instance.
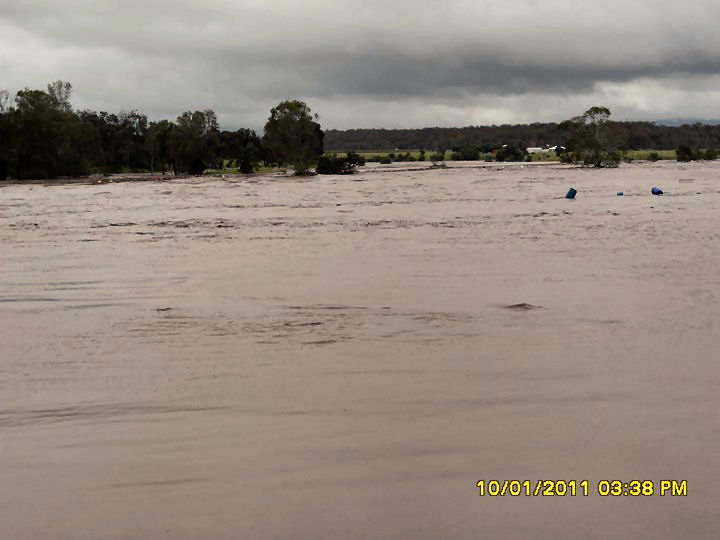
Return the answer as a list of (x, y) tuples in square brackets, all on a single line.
[(571, 194), (657, 191), (620, 194)]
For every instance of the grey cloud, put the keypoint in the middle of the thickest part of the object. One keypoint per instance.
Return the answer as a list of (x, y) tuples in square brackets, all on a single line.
[(161, 56)]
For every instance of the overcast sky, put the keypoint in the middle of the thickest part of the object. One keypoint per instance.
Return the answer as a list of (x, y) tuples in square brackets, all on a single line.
[(391, 63)]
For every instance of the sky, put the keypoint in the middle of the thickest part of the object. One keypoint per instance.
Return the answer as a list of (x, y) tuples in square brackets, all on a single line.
[(371, 64)]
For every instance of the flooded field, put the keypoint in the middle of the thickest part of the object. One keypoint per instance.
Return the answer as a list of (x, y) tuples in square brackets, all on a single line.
[(345, 357)]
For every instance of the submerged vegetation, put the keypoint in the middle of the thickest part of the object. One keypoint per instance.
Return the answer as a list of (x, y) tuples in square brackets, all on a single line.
[(592, 139), (645, 136), (41, 136), (293, 136), (334, 164)]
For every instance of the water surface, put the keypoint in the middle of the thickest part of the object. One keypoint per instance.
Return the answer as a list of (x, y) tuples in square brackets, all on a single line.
[(345, 357)]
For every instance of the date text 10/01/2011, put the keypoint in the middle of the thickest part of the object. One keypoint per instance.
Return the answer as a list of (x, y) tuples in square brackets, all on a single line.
[(573, 488)]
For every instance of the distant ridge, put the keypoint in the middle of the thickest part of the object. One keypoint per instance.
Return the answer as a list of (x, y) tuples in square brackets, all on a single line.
[(674, 122), (648, 135)]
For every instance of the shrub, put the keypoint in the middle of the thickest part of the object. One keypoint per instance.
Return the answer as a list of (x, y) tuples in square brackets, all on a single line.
[(466, 153), (654, 156), (403, 157), (510, 153), (332, 164), (684, 153)]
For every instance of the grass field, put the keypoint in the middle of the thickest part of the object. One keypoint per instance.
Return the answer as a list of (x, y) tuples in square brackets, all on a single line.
[(645, 154)]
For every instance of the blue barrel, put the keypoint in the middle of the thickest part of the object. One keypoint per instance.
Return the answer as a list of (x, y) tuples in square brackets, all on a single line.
[(656, 191), (571, 194)]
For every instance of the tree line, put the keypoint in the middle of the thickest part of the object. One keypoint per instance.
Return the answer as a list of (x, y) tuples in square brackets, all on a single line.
[(633, 135), (41, 136)]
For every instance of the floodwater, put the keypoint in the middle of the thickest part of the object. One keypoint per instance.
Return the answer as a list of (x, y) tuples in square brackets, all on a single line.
[(346, 357)]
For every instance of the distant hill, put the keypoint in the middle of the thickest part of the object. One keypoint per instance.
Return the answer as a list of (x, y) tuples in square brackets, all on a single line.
[(434, 138), (687, 121), (658, 135)]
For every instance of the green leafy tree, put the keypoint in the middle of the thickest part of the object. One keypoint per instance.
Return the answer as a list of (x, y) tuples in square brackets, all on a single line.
[(130, 139), (46, 137), (511, 152), (467, 152), (157, 144), (242, 148), (61, 91), (294, 136), (592, 139), (195, 142)]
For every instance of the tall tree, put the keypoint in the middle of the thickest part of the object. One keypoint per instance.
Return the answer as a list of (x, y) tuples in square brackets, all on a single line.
[(6, 135), (44, 132), (243, 148), (293, 136), (4, 101), (195, 142), (61, 91), (157, 144), (131, 133), (592, 139)]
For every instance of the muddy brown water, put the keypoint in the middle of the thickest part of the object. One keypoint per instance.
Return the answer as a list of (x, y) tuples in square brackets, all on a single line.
[(345, 357)]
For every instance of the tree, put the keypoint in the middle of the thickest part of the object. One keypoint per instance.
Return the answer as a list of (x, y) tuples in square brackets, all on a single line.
[(4, 100), (45, 136), (593, 139), (242, 148), (468, 152), (293, 136), (157, 144), (61, 91), (6, 135), (130, 139), (510, 152), (195, 142)]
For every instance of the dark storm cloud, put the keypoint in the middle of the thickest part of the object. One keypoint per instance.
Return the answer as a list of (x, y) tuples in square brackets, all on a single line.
[(395, 75), (442, 63)]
